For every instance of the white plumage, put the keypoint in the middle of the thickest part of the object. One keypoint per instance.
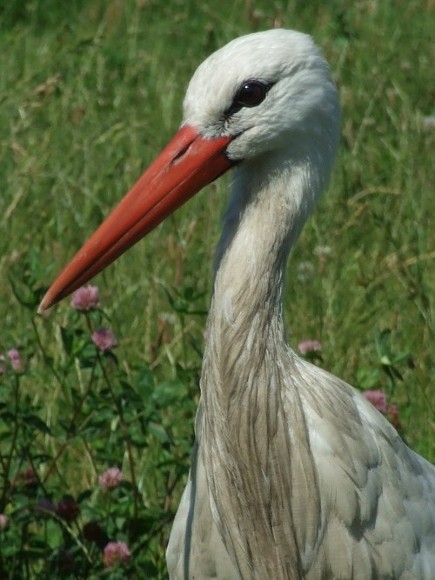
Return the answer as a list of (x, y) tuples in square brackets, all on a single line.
[(294, 474)]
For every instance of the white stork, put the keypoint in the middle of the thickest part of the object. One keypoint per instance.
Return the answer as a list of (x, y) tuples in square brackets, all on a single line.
[(294, 474)]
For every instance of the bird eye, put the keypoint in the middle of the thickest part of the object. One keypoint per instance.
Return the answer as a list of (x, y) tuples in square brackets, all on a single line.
[(250, 94)]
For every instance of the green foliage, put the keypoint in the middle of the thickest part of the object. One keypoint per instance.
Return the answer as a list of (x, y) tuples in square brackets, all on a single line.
[(89, 93), (54, 446)]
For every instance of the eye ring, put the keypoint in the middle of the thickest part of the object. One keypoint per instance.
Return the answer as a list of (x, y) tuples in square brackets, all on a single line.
[(250, 94)]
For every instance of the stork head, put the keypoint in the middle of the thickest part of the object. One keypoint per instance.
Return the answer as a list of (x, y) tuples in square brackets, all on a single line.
[(264, 93), (267, 91)]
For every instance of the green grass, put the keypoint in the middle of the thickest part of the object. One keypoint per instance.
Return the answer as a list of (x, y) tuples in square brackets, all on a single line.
[(89, 96)]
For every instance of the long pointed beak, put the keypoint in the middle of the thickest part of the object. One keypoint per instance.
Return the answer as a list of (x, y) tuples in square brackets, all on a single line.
[(186, 165)]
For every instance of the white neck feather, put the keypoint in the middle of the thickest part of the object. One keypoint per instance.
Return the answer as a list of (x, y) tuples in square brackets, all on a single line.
[(247, 368), (271, 199)]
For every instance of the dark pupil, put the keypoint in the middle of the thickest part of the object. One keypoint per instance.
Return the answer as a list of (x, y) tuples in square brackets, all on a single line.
[(251, 94)]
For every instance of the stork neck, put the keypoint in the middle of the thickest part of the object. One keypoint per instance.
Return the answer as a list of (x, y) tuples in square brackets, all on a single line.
[(268, 207), (243, 426)]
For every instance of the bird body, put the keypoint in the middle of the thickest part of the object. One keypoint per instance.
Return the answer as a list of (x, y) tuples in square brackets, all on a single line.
[(325, 488), (294, 474)]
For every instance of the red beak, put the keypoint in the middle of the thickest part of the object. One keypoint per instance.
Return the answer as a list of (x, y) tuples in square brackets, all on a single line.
[(186, 165)]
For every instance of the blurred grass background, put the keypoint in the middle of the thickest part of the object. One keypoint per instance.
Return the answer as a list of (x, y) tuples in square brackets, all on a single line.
[(90, 91)]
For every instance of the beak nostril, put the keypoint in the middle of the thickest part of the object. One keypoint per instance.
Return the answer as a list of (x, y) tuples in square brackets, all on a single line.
[(181, 153)]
